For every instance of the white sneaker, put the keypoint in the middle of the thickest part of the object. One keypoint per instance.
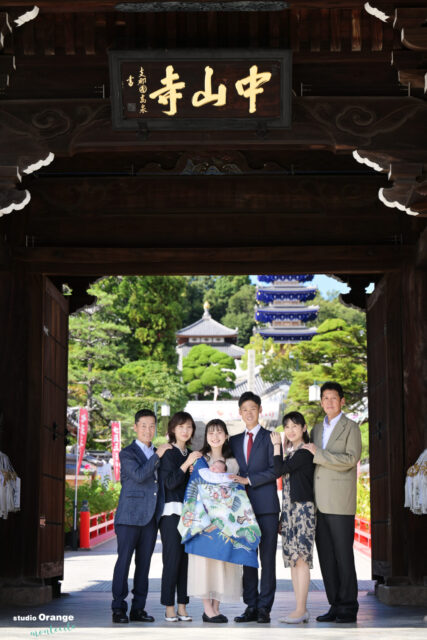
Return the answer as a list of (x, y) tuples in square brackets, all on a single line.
[(171, 618)]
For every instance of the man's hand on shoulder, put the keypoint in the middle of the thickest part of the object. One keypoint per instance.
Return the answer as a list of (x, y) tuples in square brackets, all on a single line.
[(310, 447), (162, 448)]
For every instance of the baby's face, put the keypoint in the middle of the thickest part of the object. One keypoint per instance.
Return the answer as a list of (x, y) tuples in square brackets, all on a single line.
[(219, 467)]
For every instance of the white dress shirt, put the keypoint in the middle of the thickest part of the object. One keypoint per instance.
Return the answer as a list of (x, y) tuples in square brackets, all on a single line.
[(328, 427), (147, 451), (254, 432)]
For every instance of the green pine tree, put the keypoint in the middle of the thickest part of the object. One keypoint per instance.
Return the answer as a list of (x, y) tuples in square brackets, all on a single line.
[(205, 368)]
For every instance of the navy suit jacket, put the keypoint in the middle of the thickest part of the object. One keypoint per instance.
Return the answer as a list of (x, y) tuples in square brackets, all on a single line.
[(262, 492), (142, 494)]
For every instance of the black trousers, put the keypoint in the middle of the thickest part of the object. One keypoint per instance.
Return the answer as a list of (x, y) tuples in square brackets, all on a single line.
[(264, 598), (175, 563), (142, 540), (334, 541)]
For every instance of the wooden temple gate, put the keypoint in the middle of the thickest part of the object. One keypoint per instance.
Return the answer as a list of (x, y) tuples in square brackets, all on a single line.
[(342, 190)]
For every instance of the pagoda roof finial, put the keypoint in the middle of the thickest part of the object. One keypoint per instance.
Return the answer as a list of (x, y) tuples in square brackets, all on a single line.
[(206, 307)]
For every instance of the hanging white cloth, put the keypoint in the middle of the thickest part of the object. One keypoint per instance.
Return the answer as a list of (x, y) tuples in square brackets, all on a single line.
[(10, 487), (416, 486)]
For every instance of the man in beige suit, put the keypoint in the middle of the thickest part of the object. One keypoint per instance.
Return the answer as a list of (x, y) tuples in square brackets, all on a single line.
[(336, 446)]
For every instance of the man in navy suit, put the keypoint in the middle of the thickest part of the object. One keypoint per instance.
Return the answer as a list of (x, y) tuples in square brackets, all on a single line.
[(138, 513), (254, 454)]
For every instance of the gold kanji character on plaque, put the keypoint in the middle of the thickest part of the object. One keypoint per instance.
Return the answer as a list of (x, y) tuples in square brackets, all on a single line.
[(203, 97), (254, 81), (130, 80), (170, 93)]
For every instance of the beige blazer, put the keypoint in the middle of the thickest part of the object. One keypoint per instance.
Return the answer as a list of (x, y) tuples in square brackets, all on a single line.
[(335, 473)]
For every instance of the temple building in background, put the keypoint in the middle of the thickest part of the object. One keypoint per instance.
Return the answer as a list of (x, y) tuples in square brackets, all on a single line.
[(285, 311), (208, 331)]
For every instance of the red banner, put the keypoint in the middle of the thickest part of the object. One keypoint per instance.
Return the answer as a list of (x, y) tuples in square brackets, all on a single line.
[(83, 424), (115, 448)]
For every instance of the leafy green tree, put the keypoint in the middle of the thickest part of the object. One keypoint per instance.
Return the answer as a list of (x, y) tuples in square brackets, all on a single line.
[(100, 496), (142, 384), (152, 306), (337, 352), (331, 307), (281, 366), (240, 313), (264, 350), (196, 293), (225, 288), (281, 362), (205, 368), (217, 290), (96, 348)]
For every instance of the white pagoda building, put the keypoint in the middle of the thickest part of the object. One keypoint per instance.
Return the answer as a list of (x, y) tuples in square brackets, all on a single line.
[(208, 331)]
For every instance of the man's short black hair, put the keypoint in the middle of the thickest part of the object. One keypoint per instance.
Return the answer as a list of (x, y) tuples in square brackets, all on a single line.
[(332, 386), (143, 413), (248, 395)]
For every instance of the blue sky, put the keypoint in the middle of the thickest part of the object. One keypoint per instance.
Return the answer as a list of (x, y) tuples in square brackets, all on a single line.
[(325, 284)]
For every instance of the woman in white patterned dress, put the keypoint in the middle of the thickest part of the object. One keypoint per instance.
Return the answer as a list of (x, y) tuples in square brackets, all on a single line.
[(212, 580)]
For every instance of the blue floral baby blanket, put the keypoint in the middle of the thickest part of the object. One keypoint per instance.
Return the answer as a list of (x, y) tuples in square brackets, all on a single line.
[(217, 518)]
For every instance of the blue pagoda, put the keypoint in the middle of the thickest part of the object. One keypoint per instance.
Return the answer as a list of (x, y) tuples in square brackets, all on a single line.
[(286, 311)]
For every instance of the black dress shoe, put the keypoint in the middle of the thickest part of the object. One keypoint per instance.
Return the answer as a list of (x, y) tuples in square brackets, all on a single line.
[(139, 615), (327, 617), (120, 616), (346, 618), (249, 615), (263, 616), (215, 619), (222, 617)]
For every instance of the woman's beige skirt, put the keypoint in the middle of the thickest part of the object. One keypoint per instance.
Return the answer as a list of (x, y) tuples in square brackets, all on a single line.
[(208, 578)]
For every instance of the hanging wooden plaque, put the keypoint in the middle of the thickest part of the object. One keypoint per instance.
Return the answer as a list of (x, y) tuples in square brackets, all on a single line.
[(200, 89)]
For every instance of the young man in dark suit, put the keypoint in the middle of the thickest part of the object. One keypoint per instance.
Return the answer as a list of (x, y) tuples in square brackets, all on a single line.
[(254, 453), (138, 513)]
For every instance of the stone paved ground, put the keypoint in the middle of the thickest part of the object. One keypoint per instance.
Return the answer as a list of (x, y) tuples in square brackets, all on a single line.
[(87, 581)]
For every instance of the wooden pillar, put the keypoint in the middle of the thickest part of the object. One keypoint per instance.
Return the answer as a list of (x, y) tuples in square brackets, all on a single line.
[(26, 320), (397, 357), (385, 389), (414, 343)]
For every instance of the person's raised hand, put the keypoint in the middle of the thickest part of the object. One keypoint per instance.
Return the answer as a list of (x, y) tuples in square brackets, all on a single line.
[(193, 456), (162, 448), (275, 438)]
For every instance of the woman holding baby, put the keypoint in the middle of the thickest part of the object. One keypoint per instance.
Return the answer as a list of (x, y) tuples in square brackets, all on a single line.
[(213, 580)]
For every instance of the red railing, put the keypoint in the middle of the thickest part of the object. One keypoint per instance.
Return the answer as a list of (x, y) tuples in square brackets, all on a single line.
[(96, 529), (362, 535)]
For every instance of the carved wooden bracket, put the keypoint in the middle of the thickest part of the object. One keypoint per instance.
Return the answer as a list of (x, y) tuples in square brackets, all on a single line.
[(411, 64), (357, 297), (407, 170), (22, 151), (79, 297), (11, 198), (408, 192), (8, 23)]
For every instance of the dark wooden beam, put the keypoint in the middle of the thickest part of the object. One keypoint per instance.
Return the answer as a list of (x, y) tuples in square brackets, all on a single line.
[(387, 124), (94, 261), (77, 6), (242, 191)]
